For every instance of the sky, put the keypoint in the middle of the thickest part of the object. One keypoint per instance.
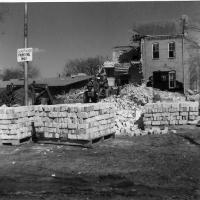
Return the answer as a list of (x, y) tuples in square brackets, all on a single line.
[(63, 31)]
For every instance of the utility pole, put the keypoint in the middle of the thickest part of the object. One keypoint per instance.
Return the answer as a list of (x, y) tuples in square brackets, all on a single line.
[(25, 46), (183, 32)]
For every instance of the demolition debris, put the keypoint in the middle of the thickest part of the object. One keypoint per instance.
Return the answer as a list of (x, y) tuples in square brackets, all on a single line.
[(132, 113), (130, 107)]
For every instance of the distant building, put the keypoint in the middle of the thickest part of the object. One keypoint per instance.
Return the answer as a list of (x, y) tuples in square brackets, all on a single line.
[(176, 54), (124, 69)]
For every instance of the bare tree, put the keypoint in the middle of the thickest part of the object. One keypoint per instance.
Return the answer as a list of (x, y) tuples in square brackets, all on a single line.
[(18, 72), (88, 66)]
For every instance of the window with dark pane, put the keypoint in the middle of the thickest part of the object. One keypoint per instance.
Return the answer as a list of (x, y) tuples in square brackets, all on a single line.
[(155, 50), (172, 79), (172, 50)]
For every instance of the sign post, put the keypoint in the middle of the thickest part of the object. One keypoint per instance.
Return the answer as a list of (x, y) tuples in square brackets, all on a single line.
[(25, 55), (26, 62)]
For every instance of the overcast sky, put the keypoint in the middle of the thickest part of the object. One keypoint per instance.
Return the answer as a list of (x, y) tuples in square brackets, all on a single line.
[(63, 31)]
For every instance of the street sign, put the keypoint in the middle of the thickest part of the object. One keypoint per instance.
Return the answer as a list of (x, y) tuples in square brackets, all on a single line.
[(24, 55)]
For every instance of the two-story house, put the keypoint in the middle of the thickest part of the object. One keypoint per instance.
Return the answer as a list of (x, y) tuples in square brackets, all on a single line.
[(175, 54)]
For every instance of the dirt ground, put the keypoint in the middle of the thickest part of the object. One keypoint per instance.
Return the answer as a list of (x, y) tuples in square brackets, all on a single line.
[(140, 168)]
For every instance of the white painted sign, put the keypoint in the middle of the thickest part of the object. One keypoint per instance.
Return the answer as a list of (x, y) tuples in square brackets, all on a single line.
[(24, 55)]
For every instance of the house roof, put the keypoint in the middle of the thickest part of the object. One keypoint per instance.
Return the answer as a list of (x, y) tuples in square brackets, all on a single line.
[(162, 37), (52, 82), (165, 37), (158, 28), (123, 47), (63, 82)]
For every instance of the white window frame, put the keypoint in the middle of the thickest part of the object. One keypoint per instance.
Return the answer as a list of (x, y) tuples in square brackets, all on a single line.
[(172, 72), (174, 50), (158, 51)]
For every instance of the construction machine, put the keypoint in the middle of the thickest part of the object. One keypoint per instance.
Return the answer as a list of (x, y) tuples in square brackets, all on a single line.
[(113, 79), (97, 88), (90, 94), (105, 83), (102, 85), (13, 95)]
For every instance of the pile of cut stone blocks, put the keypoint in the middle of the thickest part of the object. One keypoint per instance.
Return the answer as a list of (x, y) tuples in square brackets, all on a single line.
[(15, 124), (159, 116), (75, 121), (69, 121)]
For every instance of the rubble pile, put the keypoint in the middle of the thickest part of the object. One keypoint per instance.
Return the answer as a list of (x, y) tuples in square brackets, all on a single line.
[(130, 103), (69, 121), (74, 96), (165, 114), (127, 112), (194, 97), (137, 94), (129, 106)]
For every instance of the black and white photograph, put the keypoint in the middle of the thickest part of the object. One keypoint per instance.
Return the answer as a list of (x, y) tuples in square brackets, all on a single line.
[(100, 100)]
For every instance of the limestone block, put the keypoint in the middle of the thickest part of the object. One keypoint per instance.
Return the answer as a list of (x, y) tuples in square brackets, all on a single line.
[(191, 117), (83, 126), (184, 113), (72, 136), (147, 123), (147, 115), (72, 126), (155, 123), (6, 122), (82, 137), (156, 130), (172, 122), (184, 122), (83, 115), (185, 118), (195, 113)]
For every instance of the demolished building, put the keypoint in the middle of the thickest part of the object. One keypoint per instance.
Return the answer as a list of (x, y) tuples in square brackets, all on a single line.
[(125, 64)]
